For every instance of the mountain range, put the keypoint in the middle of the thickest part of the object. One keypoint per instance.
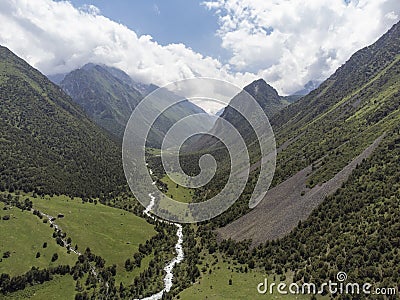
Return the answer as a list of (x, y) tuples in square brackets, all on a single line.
[(264, 94), (334, 202), (108, 95), (48, 144), (335, 123)]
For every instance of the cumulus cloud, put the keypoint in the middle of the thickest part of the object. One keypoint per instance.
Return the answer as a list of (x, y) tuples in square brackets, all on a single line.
[(56, 37), (290, 42), (286, 42)]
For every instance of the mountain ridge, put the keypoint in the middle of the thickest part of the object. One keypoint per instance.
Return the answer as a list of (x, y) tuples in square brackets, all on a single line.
[(49, 144), (263, 93), (335, 123), (108, 96), (106, 99)]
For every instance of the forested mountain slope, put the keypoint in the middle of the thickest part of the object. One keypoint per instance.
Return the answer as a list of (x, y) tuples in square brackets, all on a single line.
[(337, 121), (48, 144), (355, 228), (328, 128), (107, 99), (265, 95), (108, 95)]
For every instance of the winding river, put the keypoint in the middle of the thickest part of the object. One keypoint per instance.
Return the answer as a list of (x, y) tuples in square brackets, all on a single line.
[(178, 248), (168, 267)]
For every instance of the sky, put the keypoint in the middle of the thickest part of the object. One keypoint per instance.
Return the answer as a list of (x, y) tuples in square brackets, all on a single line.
[(286, 42), (172, 21)]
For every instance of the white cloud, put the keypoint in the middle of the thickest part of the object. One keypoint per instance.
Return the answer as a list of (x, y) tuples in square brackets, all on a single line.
[(287, 42), (56, 37), (290, 42), (91, 9)]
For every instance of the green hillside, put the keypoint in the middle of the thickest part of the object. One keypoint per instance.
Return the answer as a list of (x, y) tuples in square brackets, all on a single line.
[(336, 122), (355, 229), (23, 243), (108, 95), (48, 144), (107, 99), (101, 238), (120, 232), (48, 290), (346, 113)]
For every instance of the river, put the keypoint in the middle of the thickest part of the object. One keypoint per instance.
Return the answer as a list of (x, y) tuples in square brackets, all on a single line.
[(176, 260), (168, 267)]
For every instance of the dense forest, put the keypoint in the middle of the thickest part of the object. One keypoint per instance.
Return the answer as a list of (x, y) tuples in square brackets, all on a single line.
[(48, 145), (354, 231)]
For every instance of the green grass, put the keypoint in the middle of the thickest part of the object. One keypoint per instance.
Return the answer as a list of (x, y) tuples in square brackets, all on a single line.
[(176, 192), (23, 235), (375, 102), (127, 277), (153, 151), (112, 233), (244, 285), (49, 290), (342, 101)]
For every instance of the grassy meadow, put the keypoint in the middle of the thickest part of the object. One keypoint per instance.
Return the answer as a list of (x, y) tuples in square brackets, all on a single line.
[(112, 233), (23, 235), (49, 290), (176, 192), (216, 285)]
